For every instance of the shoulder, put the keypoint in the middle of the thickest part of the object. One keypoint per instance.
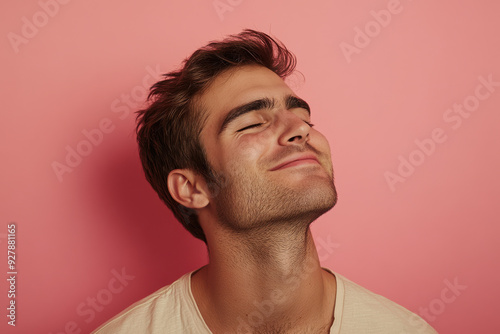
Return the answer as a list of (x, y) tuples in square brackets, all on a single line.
[(160, 310), (366, 312)]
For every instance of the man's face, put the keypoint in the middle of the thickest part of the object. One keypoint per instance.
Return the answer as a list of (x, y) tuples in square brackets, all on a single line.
[(273, 167)]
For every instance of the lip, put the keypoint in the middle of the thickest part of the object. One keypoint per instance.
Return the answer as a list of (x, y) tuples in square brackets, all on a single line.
[(297, 160)]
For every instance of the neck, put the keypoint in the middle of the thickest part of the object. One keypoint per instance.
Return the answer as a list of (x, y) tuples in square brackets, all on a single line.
[(257, 281)]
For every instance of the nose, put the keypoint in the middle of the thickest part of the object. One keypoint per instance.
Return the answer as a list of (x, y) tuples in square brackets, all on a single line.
[(294, 130)]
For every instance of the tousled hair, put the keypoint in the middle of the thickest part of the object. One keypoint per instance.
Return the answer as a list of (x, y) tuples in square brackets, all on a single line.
[(168, 130)]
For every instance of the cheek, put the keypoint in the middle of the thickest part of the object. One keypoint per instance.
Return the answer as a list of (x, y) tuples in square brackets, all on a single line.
[(320, 142), (248, 150)]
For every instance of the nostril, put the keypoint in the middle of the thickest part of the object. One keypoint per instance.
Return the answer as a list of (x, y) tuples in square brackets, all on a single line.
[(294, 138)]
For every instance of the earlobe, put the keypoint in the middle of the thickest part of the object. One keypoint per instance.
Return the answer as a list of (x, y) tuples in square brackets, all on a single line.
[(188, 188)]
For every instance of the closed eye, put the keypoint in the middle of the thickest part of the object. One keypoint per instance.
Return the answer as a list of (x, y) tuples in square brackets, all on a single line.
[(250, 126), (259, 124)]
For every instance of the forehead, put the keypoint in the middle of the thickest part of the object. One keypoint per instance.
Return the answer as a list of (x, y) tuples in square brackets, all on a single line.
[(238, 86)]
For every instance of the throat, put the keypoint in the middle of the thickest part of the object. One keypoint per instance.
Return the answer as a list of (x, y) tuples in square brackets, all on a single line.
[(282, 279)]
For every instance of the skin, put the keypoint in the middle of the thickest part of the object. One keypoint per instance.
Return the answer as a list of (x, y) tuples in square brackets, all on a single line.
[(264, 274)]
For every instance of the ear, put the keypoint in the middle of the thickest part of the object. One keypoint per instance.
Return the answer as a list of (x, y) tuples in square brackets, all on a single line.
[(188, 188)]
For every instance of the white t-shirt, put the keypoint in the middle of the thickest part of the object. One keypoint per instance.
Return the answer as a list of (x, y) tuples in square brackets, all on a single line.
[(173, 310)]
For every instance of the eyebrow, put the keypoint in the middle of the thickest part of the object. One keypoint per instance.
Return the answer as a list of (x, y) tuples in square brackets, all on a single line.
[(292, 102), (260, 104)]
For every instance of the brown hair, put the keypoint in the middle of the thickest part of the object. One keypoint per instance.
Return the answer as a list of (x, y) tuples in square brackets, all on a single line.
[(168, 130)]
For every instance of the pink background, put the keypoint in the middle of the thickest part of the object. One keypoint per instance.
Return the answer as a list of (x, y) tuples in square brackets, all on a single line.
[(82, 63)]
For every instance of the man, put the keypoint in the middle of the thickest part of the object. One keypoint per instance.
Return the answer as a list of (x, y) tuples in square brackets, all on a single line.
[(230, 148)]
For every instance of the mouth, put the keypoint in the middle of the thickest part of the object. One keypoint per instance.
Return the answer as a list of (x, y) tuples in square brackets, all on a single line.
[(298, 161)]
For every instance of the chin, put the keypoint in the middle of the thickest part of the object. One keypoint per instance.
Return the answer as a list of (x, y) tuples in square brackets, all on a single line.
[(324, 198), (319, 189), (266, 203), (312, 201), (322, 201)]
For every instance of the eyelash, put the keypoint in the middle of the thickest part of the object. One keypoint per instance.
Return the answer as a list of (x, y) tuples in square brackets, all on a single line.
[(259, 124), (249, 127)]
